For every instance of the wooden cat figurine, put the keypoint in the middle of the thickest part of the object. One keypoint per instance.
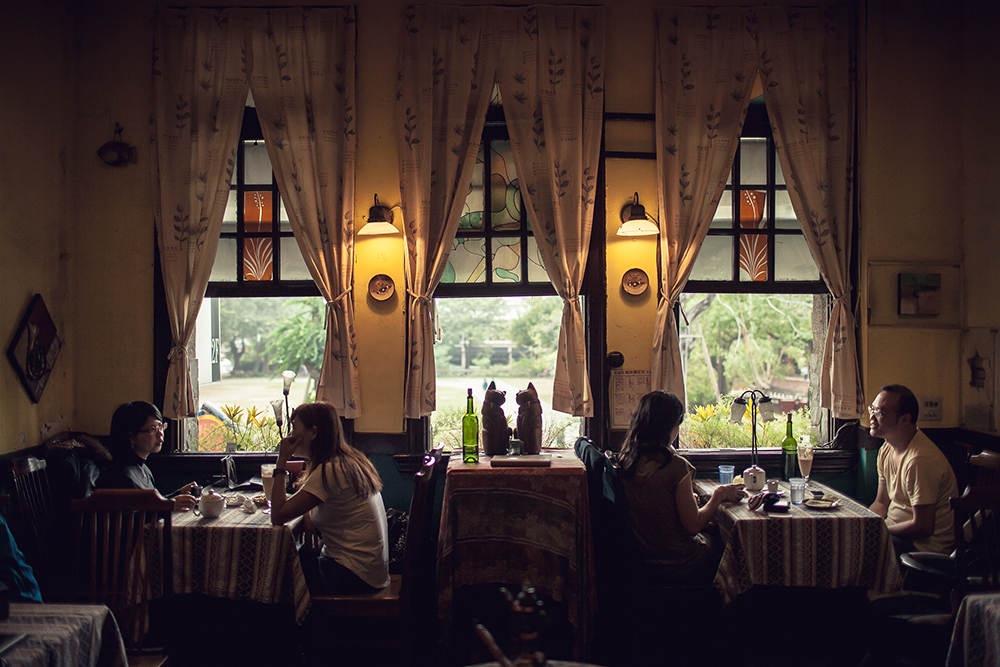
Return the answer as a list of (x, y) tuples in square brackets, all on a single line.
[(529, 420), (495, 435)]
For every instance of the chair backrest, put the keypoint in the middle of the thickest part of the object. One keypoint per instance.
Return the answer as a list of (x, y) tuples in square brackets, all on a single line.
[(418, 592), (34, 518), (984, 469), (977, 539), (121, 557)]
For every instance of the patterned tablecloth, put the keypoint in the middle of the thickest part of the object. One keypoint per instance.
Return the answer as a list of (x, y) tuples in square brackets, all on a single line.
[(833, 548), (531, 525), (238, 556), (63, 635), (975, 641)]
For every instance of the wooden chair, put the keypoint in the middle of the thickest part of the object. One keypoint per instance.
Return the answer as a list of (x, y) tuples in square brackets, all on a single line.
[(116, 547), (398, 618), (984, 469), (34, 524), (977, 540)]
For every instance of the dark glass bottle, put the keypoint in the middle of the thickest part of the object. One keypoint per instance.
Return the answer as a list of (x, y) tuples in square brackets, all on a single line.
[(789, 450), (470, 432)]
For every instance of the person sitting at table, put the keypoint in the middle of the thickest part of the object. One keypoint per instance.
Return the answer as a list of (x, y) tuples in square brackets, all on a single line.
[(341, 498), (136, 432), (915, 480), (670, 529)]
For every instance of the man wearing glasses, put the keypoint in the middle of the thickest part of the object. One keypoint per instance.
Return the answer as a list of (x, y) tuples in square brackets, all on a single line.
[(915, 479)]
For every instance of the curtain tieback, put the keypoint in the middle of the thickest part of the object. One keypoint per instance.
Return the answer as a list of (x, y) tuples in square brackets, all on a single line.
[(177, 352), (417, 298)]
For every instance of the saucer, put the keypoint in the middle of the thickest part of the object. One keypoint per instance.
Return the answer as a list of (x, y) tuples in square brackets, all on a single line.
[(821, 504)]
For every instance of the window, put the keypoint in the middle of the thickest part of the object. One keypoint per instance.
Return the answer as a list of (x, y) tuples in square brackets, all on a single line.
[(754, 309), (498, 312), (262, 315)]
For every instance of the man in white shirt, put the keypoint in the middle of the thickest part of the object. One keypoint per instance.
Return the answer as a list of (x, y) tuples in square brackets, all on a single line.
[(915, 480)]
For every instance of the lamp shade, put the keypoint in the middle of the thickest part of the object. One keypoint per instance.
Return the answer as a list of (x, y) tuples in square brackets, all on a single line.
[(379, 221), (635, 222), (737, 411)]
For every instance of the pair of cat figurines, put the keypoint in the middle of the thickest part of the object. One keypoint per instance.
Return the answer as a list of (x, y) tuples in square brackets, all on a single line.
[(496, 434)]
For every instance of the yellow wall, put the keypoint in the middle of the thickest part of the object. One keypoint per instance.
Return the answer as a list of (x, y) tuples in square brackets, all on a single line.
[(81, 233)]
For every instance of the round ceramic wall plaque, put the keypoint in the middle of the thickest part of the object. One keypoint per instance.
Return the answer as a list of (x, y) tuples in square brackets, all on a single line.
[(381, 287), (635, 281)]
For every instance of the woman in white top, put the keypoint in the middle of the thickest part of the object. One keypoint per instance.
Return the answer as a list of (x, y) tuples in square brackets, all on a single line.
[(342, 500)]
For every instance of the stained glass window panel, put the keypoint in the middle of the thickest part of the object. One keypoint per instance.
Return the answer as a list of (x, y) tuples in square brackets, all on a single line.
[(723, 218), (257, 211), (475, 201), (258, 259), (229, 217), (506, 259), (467, 261), (505, 198), (536, 267)]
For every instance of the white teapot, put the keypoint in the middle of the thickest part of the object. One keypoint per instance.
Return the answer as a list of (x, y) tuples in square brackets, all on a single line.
[(754, 479), (211, 504)]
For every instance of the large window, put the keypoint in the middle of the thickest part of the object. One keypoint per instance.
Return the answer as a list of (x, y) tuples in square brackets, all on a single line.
[(755, 309), (497, 310), (262, 315)]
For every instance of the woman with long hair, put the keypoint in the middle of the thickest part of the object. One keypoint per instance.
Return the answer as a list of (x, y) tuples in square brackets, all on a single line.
[(342, 500), (668, 523)]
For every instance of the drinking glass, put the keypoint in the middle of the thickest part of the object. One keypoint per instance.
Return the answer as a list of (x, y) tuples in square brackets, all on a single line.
[(267, 479), (798, 486), (726, 474), (805, 458)]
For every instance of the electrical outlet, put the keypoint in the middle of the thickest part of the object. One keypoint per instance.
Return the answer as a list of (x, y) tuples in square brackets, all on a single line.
[(930, 409)]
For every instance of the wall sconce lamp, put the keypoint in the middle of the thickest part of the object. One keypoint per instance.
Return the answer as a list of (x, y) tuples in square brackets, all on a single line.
[(117, 153), (379, 221), (635, 222)]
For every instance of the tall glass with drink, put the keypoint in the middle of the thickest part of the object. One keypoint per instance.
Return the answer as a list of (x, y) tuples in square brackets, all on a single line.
[(805, 452), (267, 479)]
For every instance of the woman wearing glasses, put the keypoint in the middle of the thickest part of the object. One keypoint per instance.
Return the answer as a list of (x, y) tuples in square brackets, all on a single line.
[(136, 432)]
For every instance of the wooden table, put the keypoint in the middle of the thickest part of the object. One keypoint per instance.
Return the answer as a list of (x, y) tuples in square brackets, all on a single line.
[(975, 641), (843, 547), (519, 525), (63, 635), (238, 556)]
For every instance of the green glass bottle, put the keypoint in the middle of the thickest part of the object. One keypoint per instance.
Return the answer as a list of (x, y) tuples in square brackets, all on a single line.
[(470, 432), (790, 450)]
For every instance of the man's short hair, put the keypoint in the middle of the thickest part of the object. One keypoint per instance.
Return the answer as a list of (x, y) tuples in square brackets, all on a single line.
[(906, 402)]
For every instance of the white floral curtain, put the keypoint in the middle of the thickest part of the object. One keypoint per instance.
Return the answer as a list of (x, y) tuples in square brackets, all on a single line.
[(551, 76), (446, 76), (807, 67), (303, 88), (199, 93), (705, 68)]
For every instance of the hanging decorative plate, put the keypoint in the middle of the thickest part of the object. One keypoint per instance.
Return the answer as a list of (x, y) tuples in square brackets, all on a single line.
[(635, 281), (381, 287)]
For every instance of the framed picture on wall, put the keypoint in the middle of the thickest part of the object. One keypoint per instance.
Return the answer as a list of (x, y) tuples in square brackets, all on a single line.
[(34, 349), (919, 294)]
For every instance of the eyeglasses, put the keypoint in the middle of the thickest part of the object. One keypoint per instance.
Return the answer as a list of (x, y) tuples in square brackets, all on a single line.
[(158, 428), (875, 413)]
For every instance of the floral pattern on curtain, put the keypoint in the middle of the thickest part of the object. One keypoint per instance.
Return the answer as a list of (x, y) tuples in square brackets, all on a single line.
[(808, 70), (551, 76), (302, 81), (705, 68), (199, 93), (446, 76)]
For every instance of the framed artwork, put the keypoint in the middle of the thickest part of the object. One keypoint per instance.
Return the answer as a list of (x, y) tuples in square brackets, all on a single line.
[(920, 294), (34, 349)]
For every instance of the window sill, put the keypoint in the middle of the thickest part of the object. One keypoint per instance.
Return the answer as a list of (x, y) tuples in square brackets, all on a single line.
[(827, 462)]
